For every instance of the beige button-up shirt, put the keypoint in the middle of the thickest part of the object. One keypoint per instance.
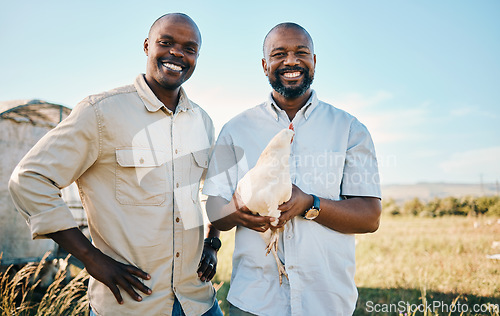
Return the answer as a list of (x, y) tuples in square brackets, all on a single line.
[(138, 167)]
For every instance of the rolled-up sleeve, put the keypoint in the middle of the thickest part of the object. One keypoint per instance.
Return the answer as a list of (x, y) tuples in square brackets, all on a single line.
[(58, 159), (360, 177)]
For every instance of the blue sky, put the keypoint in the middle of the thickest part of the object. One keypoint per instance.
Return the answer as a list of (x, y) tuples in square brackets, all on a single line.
[(423, 76)]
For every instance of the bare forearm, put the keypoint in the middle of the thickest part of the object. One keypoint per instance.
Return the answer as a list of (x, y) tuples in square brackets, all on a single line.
[(354, 215), (112, 273), (225, 223), (226, 215), (212, 231), (218, 205), (74, 242)]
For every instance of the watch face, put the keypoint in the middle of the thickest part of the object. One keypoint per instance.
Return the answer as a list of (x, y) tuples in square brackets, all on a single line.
[(312, 213), (216, 244)]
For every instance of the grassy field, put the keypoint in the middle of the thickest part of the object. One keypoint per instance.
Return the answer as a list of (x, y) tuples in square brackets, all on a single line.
[(409, 263), (412, 262)]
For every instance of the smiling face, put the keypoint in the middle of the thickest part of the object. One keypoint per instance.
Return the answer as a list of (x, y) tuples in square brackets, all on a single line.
[(172, 48), (289, 61)]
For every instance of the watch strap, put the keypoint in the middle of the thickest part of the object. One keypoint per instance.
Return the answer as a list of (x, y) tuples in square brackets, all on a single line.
[(313, 212), (213, 242), (315, 202)]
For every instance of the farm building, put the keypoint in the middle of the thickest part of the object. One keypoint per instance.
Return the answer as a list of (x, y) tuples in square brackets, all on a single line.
[(22, 124)]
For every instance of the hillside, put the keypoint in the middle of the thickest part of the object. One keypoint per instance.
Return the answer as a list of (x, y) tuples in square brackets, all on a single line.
[(428, 191)]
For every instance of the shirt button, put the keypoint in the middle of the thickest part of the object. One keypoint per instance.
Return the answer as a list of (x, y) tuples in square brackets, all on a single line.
[(177, 185), (176, 151), (177, 219), (141, 161), (177, 255), (289, 237)]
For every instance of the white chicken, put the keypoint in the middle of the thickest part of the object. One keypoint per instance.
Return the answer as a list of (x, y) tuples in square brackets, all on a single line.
[(268, 185)]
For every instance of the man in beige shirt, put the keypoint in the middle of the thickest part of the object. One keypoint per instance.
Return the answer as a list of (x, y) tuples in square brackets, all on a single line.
[(138, 154)]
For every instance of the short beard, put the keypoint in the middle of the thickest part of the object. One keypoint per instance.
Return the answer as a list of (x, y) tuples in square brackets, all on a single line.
[(171, 86), (291, 93)]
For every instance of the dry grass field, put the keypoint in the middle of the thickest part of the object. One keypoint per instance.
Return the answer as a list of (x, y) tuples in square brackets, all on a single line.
[(429, 260), (409, 264), (412, 262), (21, 295)]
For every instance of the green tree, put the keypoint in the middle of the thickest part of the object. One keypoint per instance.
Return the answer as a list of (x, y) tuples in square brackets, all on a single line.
[(494, 210), (484, 203), (448, 206), (391, 207), (467, 206), (432, 206), (413, 207)]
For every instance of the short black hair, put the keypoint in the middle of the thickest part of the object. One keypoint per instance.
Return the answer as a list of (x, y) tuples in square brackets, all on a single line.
[(287, 25)]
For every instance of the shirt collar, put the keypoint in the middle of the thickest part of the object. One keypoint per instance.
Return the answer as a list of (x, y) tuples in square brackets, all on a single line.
[(152, 103), (311, 104), (306, 110)]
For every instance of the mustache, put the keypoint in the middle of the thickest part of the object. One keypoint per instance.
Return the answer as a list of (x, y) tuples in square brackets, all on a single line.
[(291, 69)]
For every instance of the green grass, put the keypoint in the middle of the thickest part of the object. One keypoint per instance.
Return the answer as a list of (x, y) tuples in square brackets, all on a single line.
[(415, 261)]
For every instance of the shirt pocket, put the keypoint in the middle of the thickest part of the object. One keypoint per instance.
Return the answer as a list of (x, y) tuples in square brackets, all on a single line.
[(199, 165), (321, 173), (141, 176)]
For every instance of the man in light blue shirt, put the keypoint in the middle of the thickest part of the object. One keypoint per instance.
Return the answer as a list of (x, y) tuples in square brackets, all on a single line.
[(335, 195)]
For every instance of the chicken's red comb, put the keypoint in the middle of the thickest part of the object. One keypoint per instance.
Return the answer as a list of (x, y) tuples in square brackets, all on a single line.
[(291, 127)]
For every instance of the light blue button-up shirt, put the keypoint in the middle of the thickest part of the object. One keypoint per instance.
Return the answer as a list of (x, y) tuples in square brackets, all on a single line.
[(332, 156)]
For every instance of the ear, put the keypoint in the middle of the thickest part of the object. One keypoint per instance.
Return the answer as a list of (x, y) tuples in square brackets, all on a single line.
[(314, 60), (264, 66), (146, 46)]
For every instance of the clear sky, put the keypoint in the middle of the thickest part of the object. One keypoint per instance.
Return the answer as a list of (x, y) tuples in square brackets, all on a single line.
[(423, 76)]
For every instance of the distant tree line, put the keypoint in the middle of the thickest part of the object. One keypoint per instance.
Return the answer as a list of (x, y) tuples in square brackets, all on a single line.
[(465, 206)]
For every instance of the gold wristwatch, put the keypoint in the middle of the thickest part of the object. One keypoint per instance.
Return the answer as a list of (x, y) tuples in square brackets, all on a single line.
[(313, 212)]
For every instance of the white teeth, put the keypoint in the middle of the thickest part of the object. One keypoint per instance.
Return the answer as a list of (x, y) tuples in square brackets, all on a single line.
[(292, 74), (172, 67)]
